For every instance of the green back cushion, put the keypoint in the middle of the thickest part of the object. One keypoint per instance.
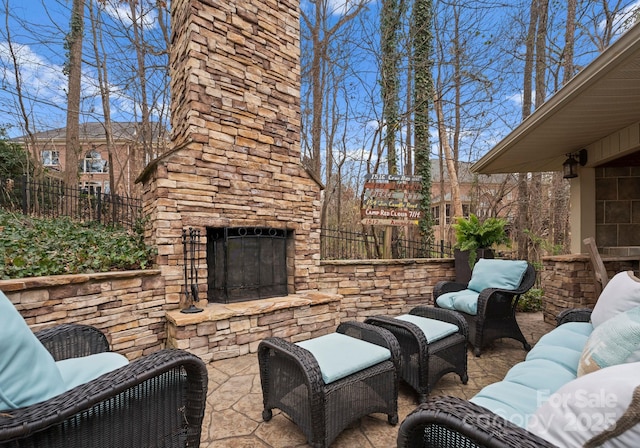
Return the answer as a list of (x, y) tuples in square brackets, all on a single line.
[(339, 355), (28, 372), (77, 371), (433, 329), (491, 273)]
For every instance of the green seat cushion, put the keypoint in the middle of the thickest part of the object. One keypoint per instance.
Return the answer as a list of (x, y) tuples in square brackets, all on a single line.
[(28, 372), (339, 355), (433, 329), (493, 273), (566, 336), (76, 371), (512, 401), (465, 301), (524, 388), (563, 356)]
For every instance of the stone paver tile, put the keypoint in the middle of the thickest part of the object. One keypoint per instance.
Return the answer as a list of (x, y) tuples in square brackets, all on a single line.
[(281, 432), (227, 394), (238, 442), (233, 417), (251, 406), (229, 423)]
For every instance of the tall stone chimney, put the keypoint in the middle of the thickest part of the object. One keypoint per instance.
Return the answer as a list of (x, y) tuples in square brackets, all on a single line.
[(235, 118)]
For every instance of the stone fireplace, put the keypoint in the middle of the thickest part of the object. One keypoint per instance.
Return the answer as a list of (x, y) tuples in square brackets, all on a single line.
[(247, 263), (234, 172)]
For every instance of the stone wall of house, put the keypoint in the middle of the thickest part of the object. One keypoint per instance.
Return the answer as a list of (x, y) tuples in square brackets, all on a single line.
[(129, 307), (235, 84), (617, 210)]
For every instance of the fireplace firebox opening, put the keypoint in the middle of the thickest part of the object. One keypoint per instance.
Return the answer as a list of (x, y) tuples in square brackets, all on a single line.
[(246, 263)]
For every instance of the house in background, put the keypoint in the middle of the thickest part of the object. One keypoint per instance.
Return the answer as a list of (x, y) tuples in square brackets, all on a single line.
[(591, 126), (484, 196), (128, 157)]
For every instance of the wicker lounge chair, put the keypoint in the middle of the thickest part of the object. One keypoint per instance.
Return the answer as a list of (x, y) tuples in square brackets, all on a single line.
[(155, 401), (496, 309), (293, 382)]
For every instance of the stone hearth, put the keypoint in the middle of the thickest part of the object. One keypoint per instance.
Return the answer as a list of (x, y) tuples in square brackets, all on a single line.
[(229, 330)]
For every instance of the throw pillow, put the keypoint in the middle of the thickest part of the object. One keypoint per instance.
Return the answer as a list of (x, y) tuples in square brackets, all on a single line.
[(28, 373), (615, 341), (492, 273), (598, 409), (621, 294)]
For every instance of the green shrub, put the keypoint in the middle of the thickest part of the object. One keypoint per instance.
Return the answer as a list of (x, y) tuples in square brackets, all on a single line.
[(530, 301), (33, 247)]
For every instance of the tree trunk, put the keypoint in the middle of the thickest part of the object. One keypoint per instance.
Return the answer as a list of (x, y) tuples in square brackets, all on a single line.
[(74, 71)]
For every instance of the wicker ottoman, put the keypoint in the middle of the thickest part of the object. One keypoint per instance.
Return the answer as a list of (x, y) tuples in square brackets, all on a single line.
[(429, 347), (292, 380)]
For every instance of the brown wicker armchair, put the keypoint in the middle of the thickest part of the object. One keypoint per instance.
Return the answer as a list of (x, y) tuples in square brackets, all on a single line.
[(496, 315), (154, 401)]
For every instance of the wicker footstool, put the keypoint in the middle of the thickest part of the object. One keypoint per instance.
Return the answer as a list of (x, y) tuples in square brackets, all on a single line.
[(323, 402), (433, 342)]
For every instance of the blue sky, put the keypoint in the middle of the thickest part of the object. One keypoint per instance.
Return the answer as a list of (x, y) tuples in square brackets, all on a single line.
[(37, 31)]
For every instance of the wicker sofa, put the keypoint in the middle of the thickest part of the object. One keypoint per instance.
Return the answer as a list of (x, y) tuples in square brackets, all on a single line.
[(579, 386), (157, 400)]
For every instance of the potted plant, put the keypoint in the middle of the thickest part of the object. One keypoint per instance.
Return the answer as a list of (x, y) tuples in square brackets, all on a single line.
[(475, 239)]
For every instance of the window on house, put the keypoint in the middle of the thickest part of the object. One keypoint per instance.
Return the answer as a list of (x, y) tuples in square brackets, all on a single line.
[(91, 187), (51, 158), (435, 214), (93, 163)]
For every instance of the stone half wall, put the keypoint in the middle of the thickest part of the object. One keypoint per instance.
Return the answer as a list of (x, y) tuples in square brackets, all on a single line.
[(128, 307), (235, 81)]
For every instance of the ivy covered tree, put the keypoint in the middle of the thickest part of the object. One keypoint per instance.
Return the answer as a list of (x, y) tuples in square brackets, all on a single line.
[(422, 39)]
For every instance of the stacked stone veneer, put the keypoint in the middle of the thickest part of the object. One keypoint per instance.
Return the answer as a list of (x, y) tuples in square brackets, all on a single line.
[(235, 99), (568, 282), (128, 307), (349, 290)]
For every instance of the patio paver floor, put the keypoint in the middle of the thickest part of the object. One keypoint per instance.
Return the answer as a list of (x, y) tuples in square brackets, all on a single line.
[(233, 417)]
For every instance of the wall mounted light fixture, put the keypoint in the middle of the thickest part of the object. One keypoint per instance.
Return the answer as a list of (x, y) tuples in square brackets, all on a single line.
[(570, 166)]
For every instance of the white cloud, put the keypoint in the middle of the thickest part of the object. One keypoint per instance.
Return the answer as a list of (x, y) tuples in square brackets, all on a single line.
[(122, 12), (625, 19)]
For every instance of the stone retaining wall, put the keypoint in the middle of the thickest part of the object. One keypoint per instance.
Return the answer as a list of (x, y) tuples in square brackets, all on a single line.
[(129, 307), (374, 287), (567, 282)]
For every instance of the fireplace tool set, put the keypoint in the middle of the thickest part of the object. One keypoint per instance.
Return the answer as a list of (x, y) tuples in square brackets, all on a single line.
[(191, 240)]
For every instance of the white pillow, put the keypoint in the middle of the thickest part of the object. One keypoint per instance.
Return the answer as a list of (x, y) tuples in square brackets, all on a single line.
[(621, 294), (590, 405)]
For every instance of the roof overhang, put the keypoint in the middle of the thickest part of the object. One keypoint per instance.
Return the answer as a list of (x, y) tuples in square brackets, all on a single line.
[(600, 100)]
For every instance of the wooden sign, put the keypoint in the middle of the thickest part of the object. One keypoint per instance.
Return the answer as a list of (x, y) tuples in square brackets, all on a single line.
[(391, 200)]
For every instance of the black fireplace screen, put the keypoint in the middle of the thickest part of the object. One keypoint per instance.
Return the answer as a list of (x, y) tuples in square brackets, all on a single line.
[(246, 263)]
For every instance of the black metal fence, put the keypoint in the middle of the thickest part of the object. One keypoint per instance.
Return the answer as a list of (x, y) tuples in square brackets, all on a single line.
[(51, 198), (347, 245)]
